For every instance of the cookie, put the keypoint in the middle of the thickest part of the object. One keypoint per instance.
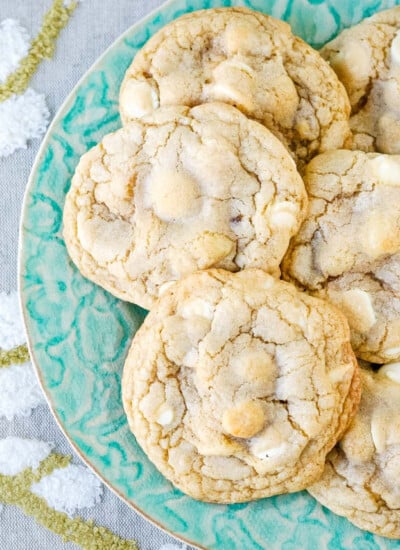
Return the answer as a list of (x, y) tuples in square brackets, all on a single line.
[(249, 60), (348, 249), (181, 190), (237, 385), (361, 480), (366, 59)]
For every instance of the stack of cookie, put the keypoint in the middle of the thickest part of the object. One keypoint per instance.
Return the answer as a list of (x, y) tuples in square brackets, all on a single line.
[(238, 165)]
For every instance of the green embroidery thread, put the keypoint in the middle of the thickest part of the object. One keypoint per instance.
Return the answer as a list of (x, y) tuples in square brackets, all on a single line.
[(15, 490), (14, 356), (42, 47)]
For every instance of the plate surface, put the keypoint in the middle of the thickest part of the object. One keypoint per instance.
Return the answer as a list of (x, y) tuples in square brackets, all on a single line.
[(79, 334)]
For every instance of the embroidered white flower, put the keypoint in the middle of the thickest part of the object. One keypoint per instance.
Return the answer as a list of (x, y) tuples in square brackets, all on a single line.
[(14, 45), (12, 331), (17, 454), (22, 118), (19, 390), (69, 489)]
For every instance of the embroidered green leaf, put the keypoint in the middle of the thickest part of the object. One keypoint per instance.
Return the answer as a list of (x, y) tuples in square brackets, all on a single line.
[(16, 490), (14, 356), (42, 47)]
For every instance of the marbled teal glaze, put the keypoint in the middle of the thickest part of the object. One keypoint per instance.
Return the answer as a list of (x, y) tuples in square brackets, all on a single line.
[(80, 334)]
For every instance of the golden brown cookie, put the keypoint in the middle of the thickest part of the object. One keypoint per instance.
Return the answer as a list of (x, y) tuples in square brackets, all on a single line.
[(361, 480), (247, 59), (366, 58), (348, 248), (181, 190), (237, 385)]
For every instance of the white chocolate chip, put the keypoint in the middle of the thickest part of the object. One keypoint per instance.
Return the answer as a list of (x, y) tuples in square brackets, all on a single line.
[(164, 287), (269, 443), (242, 39), (190, 358), (244, 420), (274, 452), (104, 240), (233, 83), (228, 92), (356, 304), (197, 307), (234, 64), (211, 248), (395, 50), (355, 54), (165, 415), (392, 351), (212, 447), (172, 195), (392, 371), (380, 235), (284, 214), (378, 432), (235, 38), (138, 98), (386, 169)]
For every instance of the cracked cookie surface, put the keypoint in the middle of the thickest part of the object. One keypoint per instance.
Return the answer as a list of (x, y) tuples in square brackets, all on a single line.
[(361, 480), (249, 60), (348, 249), (181, 190), (237, 385), (366, 59)]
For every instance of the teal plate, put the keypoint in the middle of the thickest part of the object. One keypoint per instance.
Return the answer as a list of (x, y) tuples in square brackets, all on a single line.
[(79, 334)]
